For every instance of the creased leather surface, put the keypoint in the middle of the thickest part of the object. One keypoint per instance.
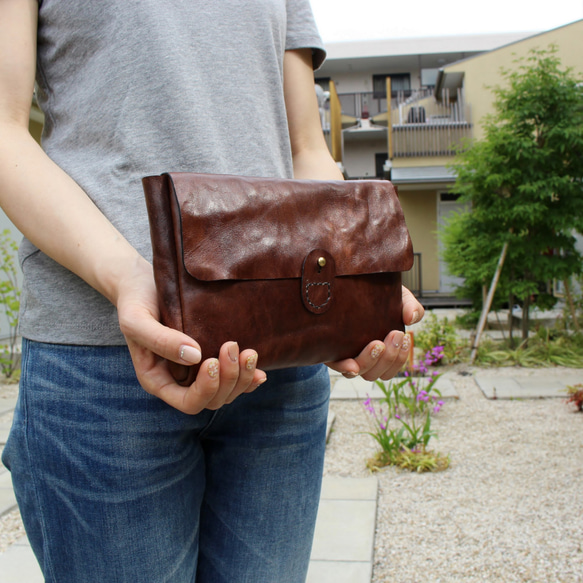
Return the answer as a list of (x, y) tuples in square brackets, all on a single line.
[(229, 254)]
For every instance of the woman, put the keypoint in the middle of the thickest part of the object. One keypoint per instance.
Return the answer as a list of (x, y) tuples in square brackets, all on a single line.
[(121, 474)]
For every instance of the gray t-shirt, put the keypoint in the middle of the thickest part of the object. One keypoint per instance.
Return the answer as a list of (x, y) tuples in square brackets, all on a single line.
[(143, 87)]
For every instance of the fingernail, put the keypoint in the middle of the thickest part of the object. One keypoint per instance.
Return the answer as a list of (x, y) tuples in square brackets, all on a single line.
[(213, 368), (233, 352), (415, 317), (260, 382), (377, 350), (190, 355), (398, 339), (251, 362), (406, 344), (349, 375)]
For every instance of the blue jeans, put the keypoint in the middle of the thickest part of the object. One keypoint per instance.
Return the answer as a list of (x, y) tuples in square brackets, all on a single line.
[(116, 486)]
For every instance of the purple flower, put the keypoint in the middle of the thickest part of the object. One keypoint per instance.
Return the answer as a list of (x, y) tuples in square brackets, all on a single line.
[(423, 396), (397, 416), (368, 405)]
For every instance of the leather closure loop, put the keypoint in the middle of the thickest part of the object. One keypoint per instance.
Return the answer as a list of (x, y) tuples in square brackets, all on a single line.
[(318, 272)]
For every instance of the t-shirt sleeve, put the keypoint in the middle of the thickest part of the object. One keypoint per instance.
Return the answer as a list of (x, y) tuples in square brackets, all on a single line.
[(302, 32)]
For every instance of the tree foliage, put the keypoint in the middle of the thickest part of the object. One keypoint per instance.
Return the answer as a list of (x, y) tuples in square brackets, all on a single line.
[(524, 180)]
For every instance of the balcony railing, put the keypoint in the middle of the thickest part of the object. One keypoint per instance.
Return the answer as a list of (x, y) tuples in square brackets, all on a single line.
[(424, 126), (366, 105), (419, 124)]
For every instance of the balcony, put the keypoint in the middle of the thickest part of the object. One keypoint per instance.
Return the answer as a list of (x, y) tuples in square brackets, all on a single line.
[(420, 125)]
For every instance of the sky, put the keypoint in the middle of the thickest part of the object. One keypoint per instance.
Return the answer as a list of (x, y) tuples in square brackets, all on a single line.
[(349, 20)]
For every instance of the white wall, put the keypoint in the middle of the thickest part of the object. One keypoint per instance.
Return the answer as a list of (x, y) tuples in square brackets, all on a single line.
[(361, 81)]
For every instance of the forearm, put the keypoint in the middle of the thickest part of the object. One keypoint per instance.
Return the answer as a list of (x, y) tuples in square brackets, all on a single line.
[(56, 215), (316, 164), (311, 158)]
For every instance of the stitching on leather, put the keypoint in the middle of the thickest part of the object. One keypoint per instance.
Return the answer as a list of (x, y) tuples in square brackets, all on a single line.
[(318, 306)]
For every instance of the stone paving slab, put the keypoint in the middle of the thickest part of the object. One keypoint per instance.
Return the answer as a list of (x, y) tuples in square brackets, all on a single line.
[(19, 565), (339, 572), (336, 488), (358, 388), (7, 405), (4, 431), (7, 497), (344, 540), (6, 409), (540, 385)]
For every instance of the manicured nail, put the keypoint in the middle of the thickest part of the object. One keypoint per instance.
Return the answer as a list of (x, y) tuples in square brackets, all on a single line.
[(377, 350), (233, 352), (406, 344), (415, 318), (398, 339), (190, 355), (213, 368), (251, 362), (349, 375)]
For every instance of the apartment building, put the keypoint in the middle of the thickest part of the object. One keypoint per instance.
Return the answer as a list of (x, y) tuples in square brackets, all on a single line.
[(438, 95)]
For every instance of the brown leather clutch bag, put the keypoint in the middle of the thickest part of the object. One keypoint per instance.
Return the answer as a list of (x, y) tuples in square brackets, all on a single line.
[(302, 271)]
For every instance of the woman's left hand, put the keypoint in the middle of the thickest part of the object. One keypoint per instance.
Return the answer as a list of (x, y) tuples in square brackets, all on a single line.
[(384, 359)]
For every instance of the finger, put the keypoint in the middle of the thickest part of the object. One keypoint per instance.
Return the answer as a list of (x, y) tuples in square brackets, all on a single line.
[(348, 368), (258, 379), (229, 374), (249, 377), (385, 359), (155, 378), (197, 396), (166, 342), (400, 361), (413, 311)]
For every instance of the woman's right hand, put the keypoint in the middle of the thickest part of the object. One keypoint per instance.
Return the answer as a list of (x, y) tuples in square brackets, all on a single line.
[(219, 380)]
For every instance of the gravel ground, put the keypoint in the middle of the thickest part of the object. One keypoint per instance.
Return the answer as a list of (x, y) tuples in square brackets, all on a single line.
[(11, 529), (508, 509)]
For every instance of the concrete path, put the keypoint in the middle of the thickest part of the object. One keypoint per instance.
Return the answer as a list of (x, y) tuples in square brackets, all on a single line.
[(537, 384)]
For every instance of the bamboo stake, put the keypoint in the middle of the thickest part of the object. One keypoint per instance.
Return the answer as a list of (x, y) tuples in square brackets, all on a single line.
[(571, 305), (488, 303), (389, 119)]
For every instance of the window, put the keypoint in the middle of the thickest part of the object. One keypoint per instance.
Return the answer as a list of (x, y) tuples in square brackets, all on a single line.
[(380, 160), (400, 83), (323, 82)]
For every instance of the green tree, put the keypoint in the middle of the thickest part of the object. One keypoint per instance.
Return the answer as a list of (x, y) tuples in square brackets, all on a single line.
[(9, 304), (524, 180)]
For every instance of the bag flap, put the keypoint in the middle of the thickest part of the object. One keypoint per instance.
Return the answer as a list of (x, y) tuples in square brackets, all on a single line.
[(235, 227)]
